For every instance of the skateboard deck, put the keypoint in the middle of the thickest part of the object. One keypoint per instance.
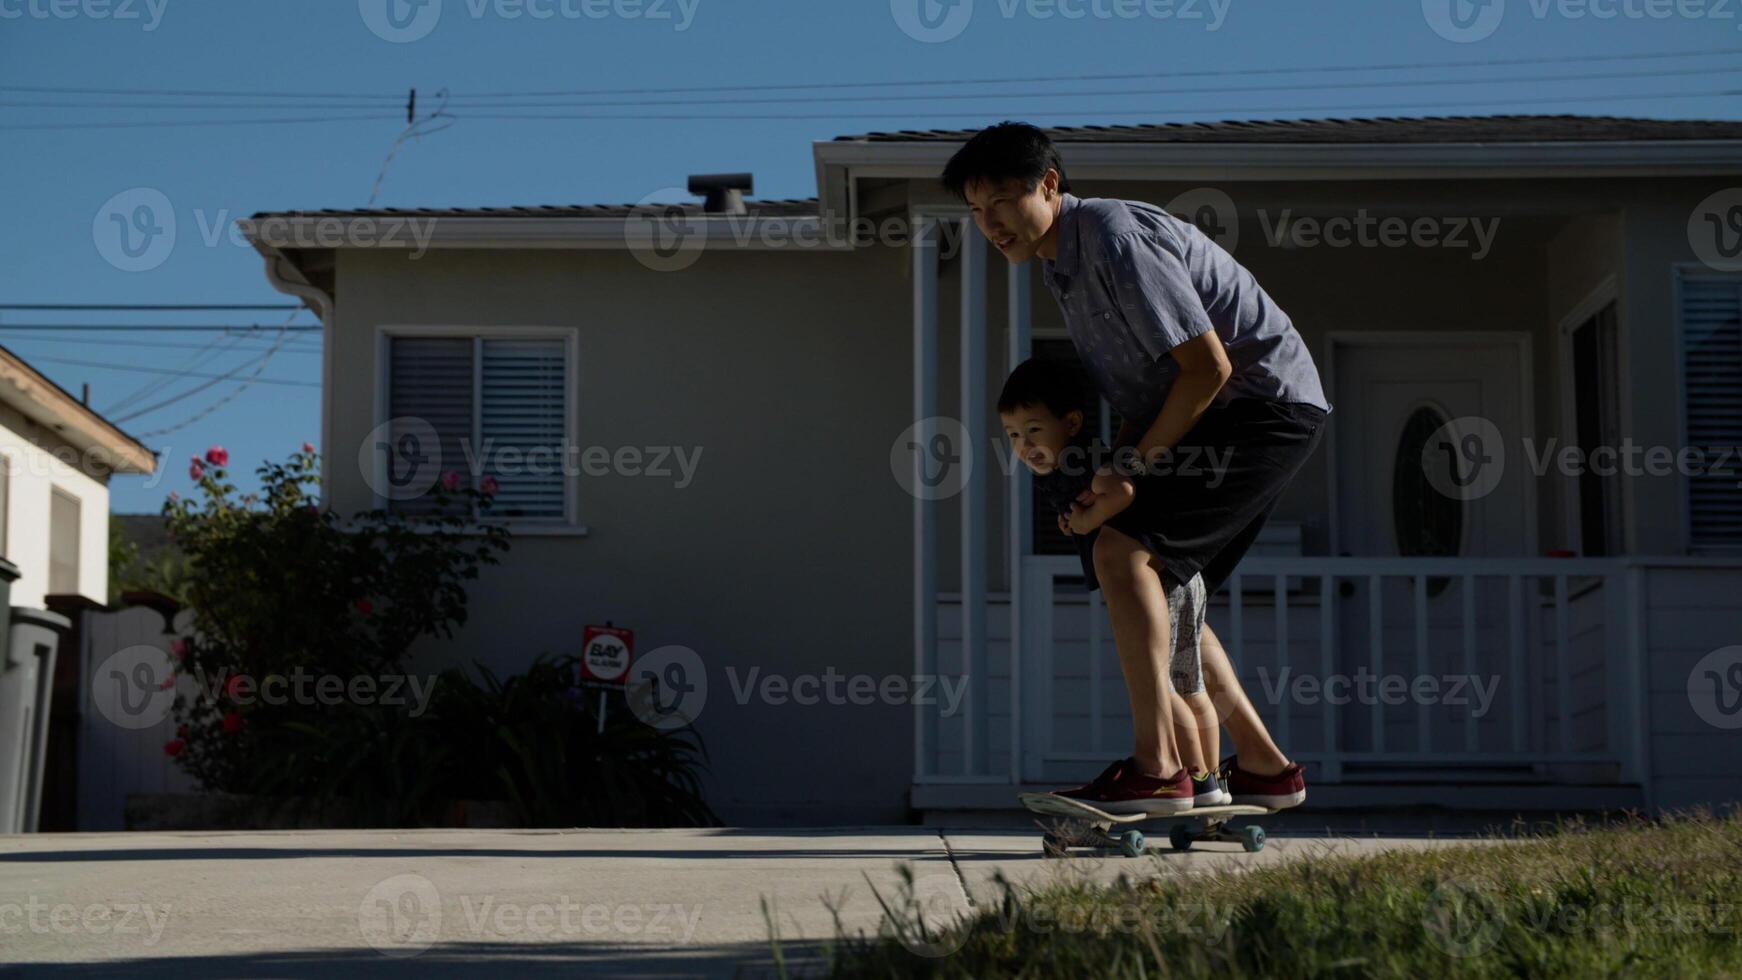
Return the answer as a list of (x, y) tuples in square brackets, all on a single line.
[(1078, 824)]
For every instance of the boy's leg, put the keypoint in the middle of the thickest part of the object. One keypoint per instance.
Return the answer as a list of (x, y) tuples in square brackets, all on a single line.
[(1193, 711), (1188, 737), (1137, 607), (1256, 751)]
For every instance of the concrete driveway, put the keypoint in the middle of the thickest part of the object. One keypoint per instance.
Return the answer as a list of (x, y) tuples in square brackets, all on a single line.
[(670, 903)]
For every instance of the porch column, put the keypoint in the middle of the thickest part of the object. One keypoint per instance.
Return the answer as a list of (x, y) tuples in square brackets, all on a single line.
[(925, 397), (1016, 351), (975, 757)]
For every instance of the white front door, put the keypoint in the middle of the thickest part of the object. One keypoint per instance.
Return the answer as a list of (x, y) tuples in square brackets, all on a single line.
[(1430, 460)]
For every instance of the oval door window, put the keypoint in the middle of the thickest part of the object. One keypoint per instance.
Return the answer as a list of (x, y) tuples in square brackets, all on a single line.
[(1424, 521)]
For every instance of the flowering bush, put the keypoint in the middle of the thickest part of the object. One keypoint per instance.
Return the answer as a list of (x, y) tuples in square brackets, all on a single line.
[(281, 585)]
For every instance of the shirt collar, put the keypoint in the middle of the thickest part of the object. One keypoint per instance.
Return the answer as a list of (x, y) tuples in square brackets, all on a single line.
[(1066, 263)]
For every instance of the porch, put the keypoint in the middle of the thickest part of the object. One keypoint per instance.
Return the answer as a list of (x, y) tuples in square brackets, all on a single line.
[(1489, 681)]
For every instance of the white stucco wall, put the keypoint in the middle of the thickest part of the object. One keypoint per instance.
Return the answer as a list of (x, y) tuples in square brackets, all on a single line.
[(35, 471)]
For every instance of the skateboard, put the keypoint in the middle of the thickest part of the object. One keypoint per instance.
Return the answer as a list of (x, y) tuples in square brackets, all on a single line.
[(1078, 824)]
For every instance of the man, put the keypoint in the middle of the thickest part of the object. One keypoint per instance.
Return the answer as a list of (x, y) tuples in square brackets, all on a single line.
[(1202, 366)]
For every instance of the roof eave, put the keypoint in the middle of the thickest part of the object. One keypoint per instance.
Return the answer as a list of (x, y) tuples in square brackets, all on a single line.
[(420, 233), (47, 404)]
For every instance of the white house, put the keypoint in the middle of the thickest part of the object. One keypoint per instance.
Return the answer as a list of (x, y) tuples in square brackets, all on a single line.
[(1557, 620), (59, 456)]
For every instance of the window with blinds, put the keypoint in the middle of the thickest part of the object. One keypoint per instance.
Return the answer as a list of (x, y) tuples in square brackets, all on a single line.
[(498, 407), (1711, 331)]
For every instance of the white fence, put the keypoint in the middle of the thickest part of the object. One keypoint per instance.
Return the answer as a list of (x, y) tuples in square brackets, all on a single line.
[(121, 732), (1365, 669)]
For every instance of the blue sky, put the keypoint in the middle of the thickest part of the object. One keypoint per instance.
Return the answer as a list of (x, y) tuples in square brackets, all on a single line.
[(1209, 60)]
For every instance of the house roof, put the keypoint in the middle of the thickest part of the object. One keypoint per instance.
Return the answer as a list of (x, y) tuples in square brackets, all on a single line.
[(787, 208), (1387, 129), (27, 391)]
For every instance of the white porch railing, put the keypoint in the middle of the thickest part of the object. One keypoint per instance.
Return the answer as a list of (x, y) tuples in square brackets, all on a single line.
[(1366, 669)]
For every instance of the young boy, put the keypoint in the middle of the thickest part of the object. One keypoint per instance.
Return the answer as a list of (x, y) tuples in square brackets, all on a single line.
[(1042, 408)]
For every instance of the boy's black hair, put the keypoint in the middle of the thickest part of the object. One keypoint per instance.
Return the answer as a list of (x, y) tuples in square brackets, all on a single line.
[(997, 153), (1045, 381)]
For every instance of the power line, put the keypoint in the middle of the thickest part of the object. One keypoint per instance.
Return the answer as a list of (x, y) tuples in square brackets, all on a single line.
[(157, 345), (1035, 83), (165, 307), (188, 374), (1027, 93), (156, 327), (1163, 114), (167, 123), (220, 403)]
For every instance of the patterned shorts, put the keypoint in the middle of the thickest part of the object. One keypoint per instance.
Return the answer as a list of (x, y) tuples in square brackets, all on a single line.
[(1185, 613)]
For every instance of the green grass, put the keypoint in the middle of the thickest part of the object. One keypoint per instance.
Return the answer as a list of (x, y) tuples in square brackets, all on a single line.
[(1643, 899)]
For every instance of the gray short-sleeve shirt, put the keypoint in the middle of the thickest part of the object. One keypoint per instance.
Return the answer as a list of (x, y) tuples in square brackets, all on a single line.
[(1134, 282)]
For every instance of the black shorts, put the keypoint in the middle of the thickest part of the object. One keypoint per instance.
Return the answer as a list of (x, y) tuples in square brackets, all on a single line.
[(1201, 512)]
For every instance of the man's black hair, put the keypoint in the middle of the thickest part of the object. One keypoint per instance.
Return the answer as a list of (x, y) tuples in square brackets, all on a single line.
[(1057, 384), (998, 153)]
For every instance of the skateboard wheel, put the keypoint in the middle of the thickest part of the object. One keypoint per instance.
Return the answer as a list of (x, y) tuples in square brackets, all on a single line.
[(1180, 837), (1053, 847), (1131, 842), (1252, 838)]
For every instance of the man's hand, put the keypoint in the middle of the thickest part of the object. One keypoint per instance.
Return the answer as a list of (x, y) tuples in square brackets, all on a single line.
[(1065, 526)]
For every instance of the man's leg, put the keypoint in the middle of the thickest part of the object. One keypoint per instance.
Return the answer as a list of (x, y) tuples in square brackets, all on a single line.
[(1138, 609)]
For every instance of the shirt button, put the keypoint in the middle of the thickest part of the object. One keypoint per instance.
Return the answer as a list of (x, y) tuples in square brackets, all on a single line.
[(1107, 315)]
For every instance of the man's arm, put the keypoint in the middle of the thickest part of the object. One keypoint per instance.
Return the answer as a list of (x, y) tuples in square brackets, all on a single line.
[(1203, 370)]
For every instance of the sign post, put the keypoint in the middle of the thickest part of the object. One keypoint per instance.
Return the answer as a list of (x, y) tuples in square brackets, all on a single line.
[(605, 655)]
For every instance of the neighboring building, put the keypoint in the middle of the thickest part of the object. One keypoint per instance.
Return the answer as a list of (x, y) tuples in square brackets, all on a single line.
[(1559, 287), (54, 488)]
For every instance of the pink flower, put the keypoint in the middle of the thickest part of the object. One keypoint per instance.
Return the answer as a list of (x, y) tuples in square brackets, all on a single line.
[(365, 607), (450, 481), (178, 647), (168, 682), (232, 722), (196, 471), (308, 447), (173, 747), (489, 486), (218, 456)]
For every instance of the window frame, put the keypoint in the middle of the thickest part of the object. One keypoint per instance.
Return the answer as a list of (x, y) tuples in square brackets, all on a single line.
[(1680, 273), (1605, 295), (78, 531), (570, 523)]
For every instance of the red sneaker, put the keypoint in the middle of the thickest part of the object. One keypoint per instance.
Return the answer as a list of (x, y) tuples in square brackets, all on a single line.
[(1121, 788), (1285, 789)]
